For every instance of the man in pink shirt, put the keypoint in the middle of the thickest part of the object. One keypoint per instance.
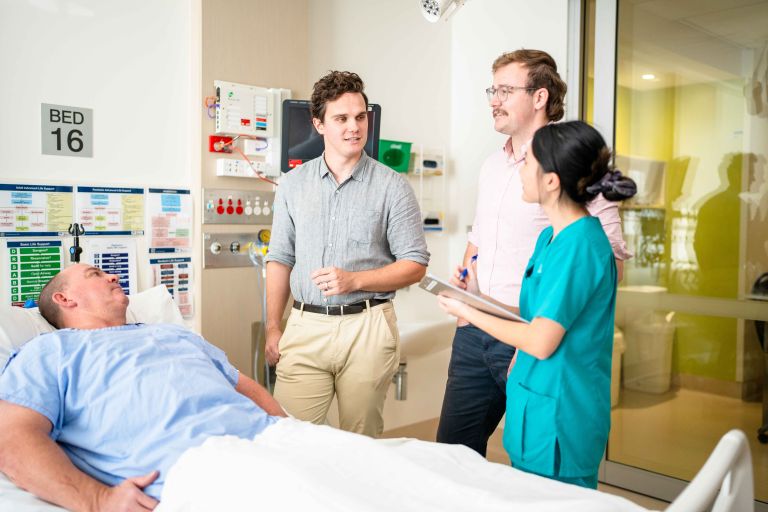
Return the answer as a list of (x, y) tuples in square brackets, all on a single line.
[(527, 93)]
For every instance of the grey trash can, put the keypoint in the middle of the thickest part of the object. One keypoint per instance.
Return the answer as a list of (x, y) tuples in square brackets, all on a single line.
[(648, 356)]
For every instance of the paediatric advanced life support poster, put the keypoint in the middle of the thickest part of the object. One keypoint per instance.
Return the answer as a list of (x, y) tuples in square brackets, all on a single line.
[(34, 210), (114, 256), (110, 210), (170, 220), (29, 265), (176, 275)]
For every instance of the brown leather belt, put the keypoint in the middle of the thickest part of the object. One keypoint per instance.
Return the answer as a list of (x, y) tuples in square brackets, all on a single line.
[(343, 309)]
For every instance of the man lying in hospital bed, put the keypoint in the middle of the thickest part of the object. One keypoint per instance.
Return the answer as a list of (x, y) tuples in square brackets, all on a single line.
[(105, 401), (124, 400)]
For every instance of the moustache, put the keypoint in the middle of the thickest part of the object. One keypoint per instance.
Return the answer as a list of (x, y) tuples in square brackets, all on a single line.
[(499, 111)]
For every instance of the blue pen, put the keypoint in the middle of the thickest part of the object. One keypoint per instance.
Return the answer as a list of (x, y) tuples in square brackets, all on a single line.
[(465, 272)]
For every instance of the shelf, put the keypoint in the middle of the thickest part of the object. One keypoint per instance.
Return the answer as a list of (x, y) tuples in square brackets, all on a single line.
[(658, 299), (429, 184)]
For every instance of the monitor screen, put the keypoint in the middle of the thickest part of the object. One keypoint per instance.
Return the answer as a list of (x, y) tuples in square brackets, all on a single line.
[(300, 141)]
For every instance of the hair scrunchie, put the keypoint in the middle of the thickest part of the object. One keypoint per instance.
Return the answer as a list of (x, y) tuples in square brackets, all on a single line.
[(614, 186)]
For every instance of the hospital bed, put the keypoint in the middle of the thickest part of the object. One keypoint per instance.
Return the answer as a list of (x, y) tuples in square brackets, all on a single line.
[(293, 464)]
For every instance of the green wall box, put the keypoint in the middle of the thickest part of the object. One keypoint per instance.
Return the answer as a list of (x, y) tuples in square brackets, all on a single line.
[(395, 154)]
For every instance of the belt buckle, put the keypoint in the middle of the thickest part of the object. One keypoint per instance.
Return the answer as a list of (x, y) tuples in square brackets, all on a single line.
[(328, 309)]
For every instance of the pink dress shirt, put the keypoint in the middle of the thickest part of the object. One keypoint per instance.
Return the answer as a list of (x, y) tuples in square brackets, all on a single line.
[(506, 228)]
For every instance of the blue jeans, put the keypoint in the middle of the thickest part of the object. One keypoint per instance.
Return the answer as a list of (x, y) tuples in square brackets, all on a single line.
[(475, 394)]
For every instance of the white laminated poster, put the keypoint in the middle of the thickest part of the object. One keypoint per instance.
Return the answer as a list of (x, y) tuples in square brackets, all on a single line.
[(113, 256), (170, 220), (110, 210), (176, 275), (29, 265), (35, 210)]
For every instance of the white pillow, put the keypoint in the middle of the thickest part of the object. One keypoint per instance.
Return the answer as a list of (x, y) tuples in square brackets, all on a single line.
[(153, 306), (19, 325)]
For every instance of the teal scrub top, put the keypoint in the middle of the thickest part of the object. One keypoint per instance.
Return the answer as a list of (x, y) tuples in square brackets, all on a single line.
[(558, 409)]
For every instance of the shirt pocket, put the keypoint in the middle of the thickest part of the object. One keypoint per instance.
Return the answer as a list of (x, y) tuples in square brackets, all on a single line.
[(532, 439), (365, 226)]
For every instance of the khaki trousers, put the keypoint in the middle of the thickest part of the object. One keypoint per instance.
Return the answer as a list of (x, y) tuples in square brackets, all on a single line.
[(352, 356)]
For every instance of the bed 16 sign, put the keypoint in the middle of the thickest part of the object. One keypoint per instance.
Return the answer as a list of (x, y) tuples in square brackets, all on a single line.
[(67, 131)]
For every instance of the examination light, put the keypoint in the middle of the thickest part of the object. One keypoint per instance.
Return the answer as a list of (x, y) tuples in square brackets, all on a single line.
[(433, 10)]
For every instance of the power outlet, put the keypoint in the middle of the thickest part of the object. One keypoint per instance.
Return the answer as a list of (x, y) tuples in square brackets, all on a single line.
[(216, 144)]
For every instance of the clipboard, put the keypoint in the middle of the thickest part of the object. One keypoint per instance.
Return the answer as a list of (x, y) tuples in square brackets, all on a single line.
[(438, 286)]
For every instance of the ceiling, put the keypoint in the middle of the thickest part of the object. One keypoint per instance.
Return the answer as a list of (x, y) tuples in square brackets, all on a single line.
[(689, 41)]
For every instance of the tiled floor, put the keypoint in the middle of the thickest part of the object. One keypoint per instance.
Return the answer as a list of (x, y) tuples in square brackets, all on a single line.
[(426, 430)]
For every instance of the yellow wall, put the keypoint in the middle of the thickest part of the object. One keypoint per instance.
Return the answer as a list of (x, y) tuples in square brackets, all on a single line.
[(694, 129), (645, 123)]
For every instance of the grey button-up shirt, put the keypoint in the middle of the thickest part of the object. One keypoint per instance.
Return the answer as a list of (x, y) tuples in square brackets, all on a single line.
[(367, 222)]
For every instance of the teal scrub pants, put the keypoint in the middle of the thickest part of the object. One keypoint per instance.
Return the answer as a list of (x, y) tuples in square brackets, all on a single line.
[(590, 482)]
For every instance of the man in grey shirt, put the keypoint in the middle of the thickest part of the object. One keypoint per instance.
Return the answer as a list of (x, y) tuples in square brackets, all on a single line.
[(347, 233)]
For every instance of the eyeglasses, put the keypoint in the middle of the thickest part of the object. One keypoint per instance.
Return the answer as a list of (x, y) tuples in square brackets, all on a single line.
[(503, 91)]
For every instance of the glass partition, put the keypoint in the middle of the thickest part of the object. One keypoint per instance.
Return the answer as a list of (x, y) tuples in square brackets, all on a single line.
[(691, 128)]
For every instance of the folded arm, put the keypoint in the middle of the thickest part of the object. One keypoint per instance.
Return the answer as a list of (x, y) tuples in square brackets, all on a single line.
[(34, 462), (405, 237), (337, 281), (390, 277)]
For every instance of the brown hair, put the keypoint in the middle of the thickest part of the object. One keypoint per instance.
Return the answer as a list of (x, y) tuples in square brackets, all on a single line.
[(331, 87), (46, 305), (542, 74)]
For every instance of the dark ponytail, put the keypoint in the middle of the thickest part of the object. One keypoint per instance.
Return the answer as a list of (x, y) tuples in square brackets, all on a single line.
[(577, 153)]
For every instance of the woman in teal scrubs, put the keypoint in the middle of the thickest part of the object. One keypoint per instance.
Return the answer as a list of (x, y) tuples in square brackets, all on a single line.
[(558, 391)]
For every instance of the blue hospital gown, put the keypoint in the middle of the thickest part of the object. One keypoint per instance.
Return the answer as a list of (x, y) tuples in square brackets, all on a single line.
[(558, 409), (127, 400)]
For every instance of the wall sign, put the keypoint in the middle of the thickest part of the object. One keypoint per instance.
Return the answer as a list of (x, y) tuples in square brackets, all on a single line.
[(176, 275), (170, 213), (67, 131), (110, 210), (30, 266), (35, 210), (116, 257)]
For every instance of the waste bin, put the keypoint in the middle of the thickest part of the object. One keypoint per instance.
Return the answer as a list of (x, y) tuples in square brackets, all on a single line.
[(647, 359), (618, 349)]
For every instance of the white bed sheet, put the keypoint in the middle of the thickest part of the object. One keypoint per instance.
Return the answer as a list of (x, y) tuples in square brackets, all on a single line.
[(294, 464), (13, 499)]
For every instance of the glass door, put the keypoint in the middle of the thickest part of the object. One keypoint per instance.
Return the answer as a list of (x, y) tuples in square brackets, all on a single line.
[(681, 87)]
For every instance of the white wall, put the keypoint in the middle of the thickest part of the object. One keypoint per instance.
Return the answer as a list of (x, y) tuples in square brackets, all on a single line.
[(132, 64), (483, 30), (404, 62), (430, 81)]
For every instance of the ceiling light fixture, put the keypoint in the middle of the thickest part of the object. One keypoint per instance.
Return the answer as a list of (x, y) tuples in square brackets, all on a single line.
[(433, 10), (648, 76)]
